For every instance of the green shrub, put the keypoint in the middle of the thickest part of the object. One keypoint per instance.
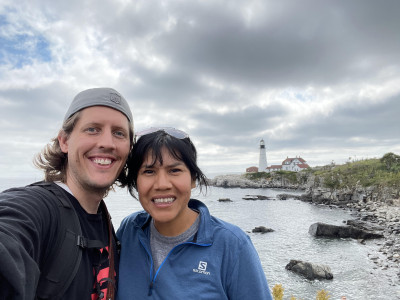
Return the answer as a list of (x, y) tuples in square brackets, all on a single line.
[(258, 175), (287, 175), (369, 172)]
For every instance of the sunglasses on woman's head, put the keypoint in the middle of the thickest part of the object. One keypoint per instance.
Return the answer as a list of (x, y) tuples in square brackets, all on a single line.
[(176, 133)]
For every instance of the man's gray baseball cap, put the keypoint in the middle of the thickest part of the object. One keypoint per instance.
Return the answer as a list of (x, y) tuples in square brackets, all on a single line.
[(99, 97)]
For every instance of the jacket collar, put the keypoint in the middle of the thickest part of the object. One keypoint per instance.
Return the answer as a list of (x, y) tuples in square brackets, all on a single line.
[(204, 234)]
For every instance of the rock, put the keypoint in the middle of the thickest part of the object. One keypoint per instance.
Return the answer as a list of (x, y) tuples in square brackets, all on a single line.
[(231, 181), (307, 197), (236, 180), (256, 197), (248, 197), (365, 225), (224, 200), (287, 196), (327, 230), (309, 270), (262, 197), (262, 229)]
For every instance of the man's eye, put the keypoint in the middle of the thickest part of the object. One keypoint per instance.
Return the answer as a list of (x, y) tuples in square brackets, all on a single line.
[(148, 172), (91, 130), (175, 170), (120, 133)]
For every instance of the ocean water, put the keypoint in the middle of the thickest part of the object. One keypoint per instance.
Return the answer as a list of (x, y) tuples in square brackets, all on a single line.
[(355, 275)]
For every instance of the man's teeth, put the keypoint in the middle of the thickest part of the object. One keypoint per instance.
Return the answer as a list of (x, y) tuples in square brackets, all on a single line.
[(102, 161), (164, 200)]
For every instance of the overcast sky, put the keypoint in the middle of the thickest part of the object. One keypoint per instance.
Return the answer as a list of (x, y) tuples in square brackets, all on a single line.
[(316, 79)]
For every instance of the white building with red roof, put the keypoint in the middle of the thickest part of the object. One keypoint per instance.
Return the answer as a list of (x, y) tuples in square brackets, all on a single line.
[(294, 164), (273, 168), (252, 170)]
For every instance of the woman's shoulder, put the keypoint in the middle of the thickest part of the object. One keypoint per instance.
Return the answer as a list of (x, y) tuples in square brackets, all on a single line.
[(136, 219), (228, 230)]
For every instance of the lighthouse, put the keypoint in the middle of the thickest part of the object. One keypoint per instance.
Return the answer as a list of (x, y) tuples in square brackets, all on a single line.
[(262, 163)]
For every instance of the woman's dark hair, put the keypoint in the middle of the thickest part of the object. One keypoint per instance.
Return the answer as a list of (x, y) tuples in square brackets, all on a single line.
[(180, 149)]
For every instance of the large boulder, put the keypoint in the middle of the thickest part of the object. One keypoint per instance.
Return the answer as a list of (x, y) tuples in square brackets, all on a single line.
[(327, 230), (309, 270)]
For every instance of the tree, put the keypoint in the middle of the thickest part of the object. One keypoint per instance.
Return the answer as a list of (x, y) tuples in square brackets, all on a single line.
[(391, 161)]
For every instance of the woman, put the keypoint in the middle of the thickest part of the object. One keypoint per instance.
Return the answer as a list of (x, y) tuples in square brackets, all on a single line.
[(175, 249)]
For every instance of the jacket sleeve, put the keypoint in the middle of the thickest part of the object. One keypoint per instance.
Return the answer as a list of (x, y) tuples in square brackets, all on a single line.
[(25, 229), (248, 280)]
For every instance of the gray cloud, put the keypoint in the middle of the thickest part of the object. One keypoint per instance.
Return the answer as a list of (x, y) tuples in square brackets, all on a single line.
[(317, 79)]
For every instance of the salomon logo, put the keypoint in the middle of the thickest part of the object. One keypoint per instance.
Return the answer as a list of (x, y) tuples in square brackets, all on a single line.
[(202, 268)]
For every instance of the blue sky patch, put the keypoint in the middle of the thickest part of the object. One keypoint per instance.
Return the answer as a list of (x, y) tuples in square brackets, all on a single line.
[(23, 49)]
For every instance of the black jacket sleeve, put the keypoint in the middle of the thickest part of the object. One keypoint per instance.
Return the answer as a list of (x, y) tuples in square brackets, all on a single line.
[(28, 222)]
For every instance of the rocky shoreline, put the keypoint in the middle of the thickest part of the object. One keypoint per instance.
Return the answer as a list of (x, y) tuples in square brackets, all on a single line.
[(383, 218), (374, 209)]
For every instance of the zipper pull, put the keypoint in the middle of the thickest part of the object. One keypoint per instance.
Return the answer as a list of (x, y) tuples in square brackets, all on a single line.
[(150, 289)]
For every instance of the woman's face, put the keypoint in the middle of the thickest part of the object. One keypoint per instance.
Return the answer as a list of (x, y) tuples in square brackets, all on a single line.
[(164, 192)]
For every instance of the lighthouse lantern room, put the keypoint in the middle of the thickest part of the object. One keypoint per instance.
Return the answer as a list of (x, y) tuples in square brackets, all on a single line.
[(262, 163)]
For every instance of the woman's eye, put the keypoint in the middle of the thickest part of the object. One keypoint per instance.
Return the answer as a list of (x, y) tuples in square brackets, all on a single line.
[(176, 170)]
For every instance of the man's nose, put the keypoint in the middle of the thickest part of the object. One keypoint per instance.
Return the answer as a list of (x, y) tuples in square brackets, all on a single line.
[(106, 140)]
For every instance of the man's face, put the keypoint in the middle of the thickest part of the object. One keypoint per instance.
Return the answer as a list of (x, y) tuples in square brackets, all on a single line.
[(97, 149)]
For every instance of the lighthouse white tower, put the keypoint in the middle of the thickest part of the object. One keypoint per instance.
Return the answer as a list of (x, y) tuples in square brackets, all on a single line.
[(262, 163)]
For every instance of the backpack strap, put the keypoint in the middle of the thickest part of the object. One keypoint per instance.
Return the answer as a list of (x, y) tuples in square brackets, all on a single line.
[(64, 259), (111, 234)]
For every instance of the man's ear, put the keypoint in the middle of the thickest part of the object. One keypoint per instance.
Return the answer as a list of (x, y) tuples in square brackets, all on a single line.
[(63, 141)]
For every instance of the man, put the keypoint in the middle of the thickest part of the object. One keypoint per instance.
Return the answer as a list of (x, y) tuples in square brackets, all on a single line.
[(41, 257)]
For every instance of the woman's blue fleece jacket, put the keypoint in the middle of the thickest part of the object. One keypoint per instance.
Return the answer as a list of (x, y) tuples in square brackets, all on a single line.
[(220, 262)]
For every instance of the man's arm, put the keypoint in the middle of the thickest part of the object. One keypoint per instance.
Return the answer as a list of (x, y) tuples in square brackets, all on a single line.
[(19, 272), (25, 220)]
